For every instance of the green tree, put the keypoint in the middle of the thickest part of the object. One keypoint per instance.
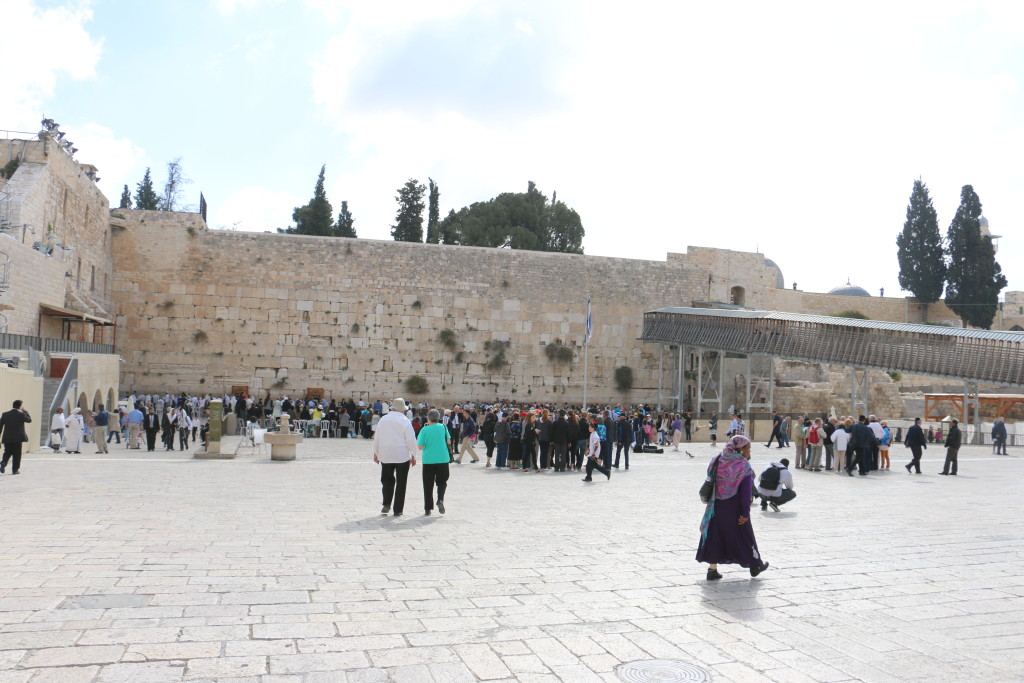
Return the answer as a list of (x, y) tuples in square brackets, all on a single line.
[(409, 219), (920, 253), (516, 220), (126, 198), (145, 197), (974, 278), (317, 216), (345, 227), (433, 214)]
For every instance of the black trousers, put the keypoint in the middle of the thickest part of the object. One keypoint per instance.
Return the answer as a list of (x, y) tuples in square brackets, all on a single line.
[(618, 451), (948, 468), (561, 451), (150, 440), (393, 478), (434, 475), (594, 464), (12, 450), (775, 436), (780, 499), (916, 462)]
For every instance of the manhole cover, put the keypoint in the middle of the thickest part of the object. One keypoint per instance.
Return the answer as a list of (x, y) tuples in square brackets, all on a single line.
[(660, 670)]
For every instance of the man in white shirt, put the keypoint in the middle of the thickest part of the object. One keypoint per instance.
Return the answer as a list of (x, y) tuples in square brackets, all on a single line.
[(394, 448), (57, 424), (779, 475)]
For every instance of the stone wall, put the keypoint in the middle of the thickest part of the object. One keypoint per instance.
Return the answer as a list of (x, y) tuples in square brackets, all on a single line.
[(204, 310), (54, 202), (18, 383)]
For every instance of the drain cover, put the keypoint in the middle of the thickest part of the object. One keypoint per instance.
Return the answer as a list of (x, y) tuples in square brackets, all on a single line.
[(660, 670)]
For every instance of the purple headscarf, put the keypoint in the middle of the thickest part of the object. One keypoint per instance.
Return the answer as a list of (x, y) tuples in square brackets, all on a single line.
[(733, 468)]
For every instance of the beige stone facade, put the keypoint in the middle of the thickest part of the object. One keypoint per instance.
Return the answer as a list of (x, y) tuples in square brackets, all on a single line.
[(200, 309)]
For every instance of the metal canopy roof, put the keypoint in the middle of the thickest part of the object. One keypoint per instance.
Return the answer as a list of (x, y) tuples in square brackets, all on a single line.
[(955, 353), (940, 330)]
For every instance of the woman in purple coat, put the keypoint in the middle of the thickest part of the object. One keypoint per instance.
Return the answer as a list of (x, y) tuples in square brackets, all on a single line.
[(726, 535)]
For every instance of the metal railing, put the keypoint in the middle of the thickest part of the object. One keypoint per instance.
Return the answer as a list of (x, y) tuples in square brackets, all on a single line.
[(24, 342), (68, 385)]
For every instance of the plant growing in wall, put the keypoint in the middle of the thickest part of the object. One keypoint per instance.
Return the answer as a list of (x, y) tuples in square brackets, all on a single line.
[(496, 348), (624, 378), (166, 304), (416, 385), (557, 352), (448, 339), (199, 337), (856, 315)]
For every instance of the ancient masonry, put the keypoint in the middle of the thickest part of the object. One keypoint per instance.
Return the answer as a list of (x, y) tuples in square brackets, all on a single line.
[(201, 309)]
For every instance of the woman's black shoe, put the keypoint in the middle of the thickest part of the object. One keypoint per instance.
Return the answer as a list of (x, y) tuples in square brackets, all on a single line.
[(757, 570), (713, 575)]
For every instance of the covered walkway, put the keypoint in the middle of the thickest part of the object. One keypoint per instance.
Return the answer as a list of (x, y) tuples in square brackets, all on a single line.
[(971, 356)]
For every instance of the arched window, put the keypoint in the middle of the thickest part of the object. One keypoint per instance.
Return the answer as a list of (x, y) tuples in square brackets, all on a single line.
[(1017, 328), (737, 296)]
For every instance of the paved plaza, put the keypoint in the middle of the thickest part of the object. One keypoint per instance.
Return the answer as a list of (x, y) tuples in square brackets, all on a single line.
[(141, 567)]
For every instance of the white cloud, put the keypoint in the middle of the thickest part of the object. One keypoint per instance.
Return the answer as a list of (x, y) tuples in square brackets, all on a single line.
[(229, 7), (41, 46), (254, 209), (119, 160)]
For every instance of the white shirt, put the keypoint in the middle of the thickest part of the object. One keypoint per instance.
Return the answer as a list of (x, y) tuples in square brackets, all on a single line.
[(57, 423), (394, 440), (840, 439), (876, 429), (785, 477), (595, 445)]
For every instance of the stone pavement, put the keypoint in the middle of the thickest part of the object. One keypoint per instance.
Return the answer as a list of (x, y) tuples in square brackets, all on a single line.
[(156, 567)]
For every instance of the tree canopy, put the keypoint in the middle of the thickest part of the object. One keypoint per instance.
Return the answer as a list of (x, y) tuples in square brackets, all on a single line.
[(345, 227), (408, 225), (316, 217), (516, 220), (126, 198), (974, 278), (433, 213), (146, 197), (920, 252)]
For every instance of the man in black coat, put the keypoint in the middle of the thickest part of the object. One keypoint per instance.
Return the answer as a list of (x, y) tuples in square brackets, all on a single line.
[(560, 440), (860, 443), (915, 441), (13, 435), (151, 423), (952, 448)]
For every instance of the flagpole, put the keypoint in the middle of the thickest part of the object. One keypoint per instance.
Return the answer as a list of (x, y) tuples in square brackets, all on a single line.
[(586, 353)]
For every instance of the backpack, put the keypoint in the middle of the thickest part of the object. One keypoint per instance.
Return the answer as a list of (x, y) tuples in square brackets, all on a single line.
[(602, 432), (812, 435), (770, 478)]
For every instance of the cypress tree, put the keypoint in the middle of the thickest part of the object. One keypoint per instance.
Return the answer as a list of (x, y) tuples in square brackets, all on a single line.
[(345, 227), (920, 252), (145, 196), (974, 278), (409, 219), (317, 216), (433, 214), (126, 198)]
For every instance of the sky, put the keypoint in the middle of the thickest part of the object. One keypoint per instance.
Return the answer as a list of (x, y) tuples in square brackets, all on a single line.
[(795, 129)]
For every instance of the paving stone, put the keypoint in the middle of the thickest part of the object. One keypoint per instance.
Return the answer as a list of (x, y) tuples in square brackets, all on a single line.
[(312, 590)]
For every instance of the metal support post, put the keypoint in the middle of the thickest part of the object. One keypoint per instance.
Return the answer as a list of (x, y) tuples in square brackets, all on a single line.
[(860, 390)]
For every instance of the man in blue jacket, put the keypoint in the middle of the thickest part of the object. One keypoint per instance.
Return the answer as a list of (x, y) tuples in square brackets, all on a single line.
[(999, 436)]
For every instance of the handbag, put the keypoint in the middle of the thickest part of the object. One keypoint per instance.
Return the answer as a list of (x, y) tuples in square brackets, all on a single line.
[(707, 489)]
